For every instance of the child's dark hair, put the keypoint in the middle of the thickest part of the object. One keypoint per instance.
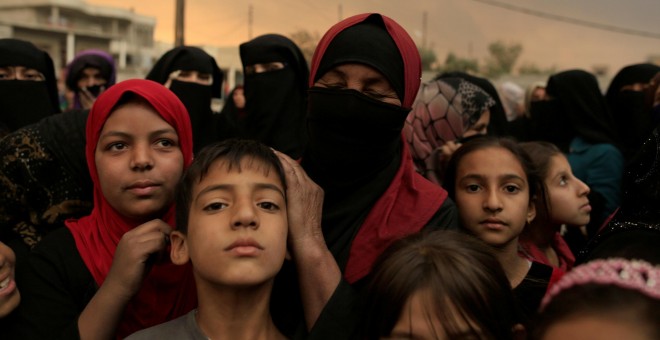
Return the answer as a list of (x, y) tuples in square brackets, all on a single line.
[(233, 152), (508, 144), (450, 266), (541, 154)]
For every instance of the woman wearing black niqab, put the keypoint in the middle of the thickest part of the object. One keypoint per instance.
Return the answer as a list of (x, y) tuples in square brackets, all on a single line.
[(194, 76), (23, 102), (275, 93), (630, 106)]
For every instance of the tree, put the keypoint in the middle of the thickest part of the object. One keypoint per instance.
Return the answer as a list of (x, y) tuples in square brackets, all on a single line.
[(502, 58), (306, 41), (428, 58), (454, 63)]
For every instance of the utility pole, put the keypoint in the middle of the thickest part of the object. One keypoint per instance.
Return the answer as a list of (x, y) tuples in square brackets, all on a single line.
[(178, 26), (340, 13), (425, 15), (250, 14)]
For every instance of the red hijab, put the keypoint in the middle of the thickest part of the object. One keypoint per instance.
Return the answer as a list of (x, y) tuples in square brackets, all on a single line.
[(168, 290), (410, 201)]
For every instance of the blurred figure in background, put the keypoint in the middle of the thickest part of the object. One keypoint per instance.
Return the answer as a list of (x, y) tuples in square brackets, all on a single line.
[(627, 100), (28, 86), (89, 74), (275, 89), (194, 76), (446, 112)]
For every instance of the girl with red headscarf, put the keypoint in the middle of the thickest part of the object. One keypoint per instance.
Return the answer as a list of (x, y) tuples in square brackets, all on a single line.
[(365, 74), (103, 276)]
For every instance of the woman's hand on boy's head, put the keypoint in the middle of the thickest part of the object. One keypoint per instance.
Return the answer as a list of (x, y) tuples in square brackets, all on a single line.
[(134, 254), (304, 205)]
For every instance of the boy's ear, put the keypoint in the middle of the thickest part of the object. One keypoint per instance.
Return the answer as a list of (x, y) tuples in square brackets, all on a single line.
[(179, 248)]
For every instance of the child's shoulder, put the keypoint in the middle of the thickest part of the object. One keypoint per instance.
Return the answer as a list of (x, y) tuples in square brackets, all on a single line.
[(183, 327)]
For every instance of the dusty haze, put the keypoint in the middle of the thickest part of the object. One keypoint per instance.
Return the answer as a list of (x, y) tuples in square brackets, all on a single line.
[(465, 27)]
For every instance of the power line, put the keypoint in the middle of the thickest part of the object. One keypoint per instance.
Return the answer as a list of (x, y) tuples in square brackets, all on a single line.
[(569, 20)]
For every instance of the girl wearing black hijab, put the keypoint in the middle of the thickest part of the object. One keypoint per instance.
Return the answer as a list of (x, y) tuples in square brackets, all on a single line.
[(194, 76), (364, 77), (275, 93), (28, 87)]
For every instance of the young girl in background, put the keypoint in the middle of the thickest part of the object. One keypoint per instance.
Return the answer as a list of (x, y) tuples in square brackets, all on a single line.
[(442, 285), (603, 299), (493, 183), (562, 200)]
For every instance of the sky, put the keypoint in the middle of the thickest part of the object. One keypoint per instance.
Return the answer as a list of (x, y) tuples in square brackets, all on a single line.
[(464, 27)]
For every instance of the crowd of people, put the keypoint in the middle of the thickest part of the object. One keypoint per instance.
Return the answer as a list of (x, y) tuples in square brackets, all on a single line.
[(340, 200)]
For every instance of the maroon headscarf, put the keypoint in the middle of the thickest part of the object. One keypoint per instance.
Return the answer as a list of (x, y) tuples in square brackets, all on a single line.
[(168, 291), (410, 200)]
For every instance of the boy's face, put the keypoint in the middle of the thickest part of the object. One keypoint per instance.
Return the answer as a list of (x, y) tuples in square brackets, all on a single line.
[(237, 228)]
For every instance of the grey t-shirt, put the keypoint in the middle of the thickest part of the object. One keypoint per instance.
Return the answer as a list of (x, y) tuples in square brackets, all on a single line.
[(184, 327)]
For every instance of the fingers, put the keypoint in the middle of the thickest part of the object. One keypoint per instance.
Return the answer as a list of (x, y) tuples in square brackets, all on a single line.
[(292, 170)]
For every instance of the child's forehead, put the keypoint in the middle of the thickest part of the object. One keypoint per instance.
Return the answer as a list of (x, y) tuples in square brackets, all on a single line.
[(247, 163)]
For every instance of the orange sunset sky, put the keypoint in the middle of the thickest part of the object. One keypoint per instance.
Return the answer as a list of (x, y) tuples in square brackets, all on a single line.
[(464, 27)]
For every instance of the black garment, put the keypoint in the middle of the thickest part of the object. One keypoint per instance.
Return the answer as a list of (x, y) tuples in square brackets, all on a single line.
[(634, 232), (275, 101), (55, 287), (74, 72), (632, 109), (25, 102), (44, 177), (529, 293), (498, 125), (578, 107), (195, 97), (341, 315)]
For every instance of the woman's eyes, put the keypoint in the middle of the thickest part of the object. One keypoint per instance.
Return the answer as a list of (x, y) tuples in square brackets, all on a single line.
[(116, 146), (511, 188), (166, 142), (472, 187)]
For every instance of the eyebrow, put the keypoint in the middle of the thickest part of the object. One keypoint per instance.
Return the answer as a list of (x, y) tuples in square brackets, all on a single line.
[(502, 177), (229, 187), (128, 135)]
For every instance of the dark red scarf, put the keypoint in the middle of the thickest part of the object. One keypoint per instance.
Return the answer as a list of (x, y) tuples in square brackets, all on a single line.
[(168, 291)]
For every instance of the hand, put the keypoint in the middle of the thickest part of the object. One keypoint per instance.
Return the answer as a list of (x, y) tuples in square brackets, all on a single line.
[(135, 251), (304, 204), (87, 99)]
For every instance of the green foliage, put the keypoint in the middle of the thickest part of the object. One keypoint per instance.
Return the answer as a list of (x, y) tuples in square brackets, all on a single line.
[(428, 58), (454, 63), (502, 58)]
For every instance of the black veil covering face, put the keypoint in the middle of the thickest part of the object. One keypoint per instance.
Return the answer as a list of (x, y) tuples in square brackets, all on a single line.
[(276, 100), (23, 102), (634, 232), (195, 97), (578, 108), (632, 109)]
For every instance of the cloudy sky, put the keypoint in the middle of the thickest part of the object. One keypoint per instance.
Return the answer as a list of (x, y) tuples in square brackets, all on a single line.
[(464, 27)]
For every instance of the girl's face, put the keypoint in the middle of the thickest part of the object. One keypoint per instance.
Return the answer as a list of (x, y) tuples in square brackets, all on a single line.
[(492, 195), (567, 195), (9, 296), (419, 321), (139, 161)]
